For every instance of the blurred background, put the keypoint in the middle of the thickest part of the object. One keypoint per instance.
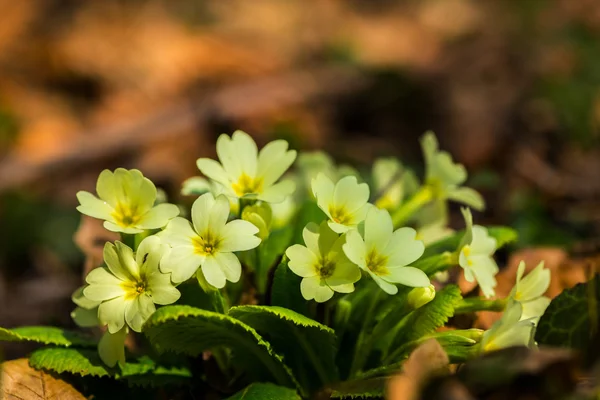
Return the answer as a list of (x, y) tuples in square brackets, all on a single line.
[(512, 88)]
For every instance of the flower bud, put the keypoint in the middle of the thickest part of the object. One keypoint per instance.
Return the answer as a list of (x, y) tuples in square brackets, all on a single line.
[(420, 296), (259, 215)]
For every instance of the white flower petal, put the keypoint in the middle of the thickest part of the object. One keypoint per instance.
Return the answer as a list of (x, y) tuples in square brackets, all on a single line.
[(138, 311), (484, 269), (201, 212), (310, 234), (178, 232), (112, 313), (322, 188), (238, 235), (230, 265), (274, 160), (105, 187), (182, 262), (93, 206), (350, 194), (161, 289), (534, 284), (343, 288), (327, 238), (85, 318), (102, 285), (278, 192), (213, 170), (535, 308), (355, 249), (111, 347), (345, 273), (158, 216), (378, 229), (213, 273), (133, 189), (219, 213), (407, 276), (313, 288), (302, 260), (403, 248), (482, 242), (385, 286), (467, 196)]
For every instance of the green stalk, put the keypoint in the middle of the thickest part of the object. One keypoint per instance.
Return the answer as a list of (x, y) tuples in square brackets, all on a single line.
[(473, 304), (129, 240), (361, 351), (310, 352), (423, 196)]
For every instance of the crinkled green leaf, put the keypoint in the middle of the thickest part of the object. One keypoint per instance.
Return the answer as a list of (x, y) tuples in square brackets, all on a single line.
[(265, 391), (503, 235), (426, 319), (189, 330), (306, 345), (285, 291), (571, 319), (46, 335), (360, 389), (85, 362)]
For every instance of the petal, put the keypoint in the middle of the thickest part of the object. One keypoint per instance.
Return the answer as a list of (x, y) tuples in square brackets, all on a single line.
[(343, 288), (182, 262), (535, 308), (127, 261), (403, 248), (313, 288), (219, 213), (355, 249), (213, 170), (278, 192), (178, 232), (378, 229), (105, 187), (350, 194), (112, 313), (322, 188), (485, 269), (361, 214), (274, 160), (482, 242), (201, 212), (534, 284), (111, 347), (79, 298), (93, 206), (385, 286), (85, 318), (345, 273), (116, 228), (238, 235), (158, 216), (467, 196), (302, 260), (102, 285), (149, 251), (213, 273), (162, 290), (138, 311), (230, 265), (133, 189), (327, 238), (339, 228), (310, 234), (407, 276)]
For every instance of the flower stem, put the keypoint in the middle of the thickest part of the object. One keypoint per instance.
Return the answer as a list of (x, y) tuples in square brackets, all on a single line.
[(361, 351), (472, 304), (423, 196), (129, 240)]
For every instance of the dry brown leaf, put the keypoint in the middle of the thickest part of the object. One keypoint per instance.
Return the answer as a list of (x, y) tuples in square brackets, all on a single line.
[(20, 381), (426, 360)]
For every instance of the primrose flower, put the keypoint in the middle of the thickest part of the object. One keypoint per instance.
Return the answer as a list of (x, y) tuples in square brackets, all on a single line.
[(445, 176), (310, 164), (420, 296), (126, 202), (130, 284), (345, 203), (384, 253), (476, 250), (111, 347), (260, 215), (388, 183), (509, 330), (208, 243), (246, 173), (322, 264), (529, 291)]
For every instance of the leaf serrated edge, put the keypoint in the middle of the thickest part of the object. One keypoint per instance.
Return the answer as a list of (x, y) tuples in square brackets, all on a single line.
[(273, 310), (19, 337)]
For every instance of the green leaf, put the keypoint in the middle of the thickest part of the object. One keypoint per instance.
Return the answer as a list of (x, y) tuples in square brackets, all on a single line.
[(307, 346), (270, 251), (424, 320), (503, 235), (265, 391), (571, 319), (85, 362), (188, 330), (360, 389), (46, 335), (286, 290)]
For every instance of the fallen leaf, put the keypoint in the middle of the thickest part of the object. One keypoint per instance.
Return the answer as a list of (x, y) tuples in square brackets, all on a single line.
[(424, 362), (20, 381)]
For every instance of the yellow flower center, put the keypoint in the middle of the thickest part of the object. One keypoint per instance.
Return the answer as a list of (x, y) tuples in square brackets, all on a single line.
[(377, 263), (133, 289), (125, 215), (339, 215), (247, 185), (325, 267), (466, 250), (206, 244)]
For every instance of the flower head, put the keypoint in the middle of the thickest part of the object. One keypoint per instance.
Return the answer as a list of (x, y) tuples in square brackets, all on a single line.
[(476, 250), (310, 164), (345, 203), (209, 242), (510, 330), (126, 202), (445, 176), (388, 183), (420, 296), (529, 291), (322, 264), (384, 253), (260, 215), (130, 284), (245, 172)]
